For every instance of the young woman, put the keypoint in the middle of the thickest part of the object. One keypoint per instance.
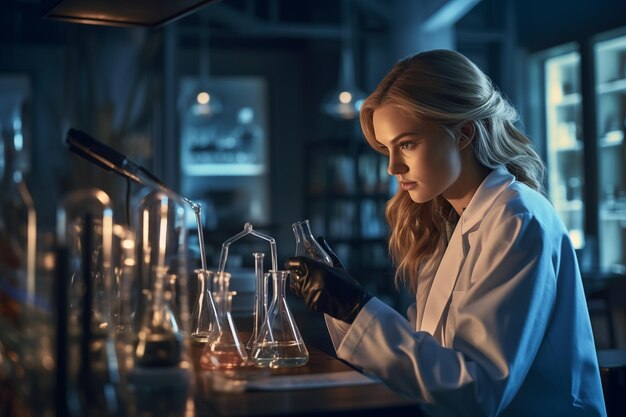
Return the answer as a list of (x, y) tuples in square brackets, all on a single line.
[(500, 325)]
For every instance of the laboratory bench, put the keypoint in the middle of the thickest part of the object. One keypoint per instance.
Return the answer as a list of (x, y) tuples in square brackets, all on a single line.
[(324, 386)]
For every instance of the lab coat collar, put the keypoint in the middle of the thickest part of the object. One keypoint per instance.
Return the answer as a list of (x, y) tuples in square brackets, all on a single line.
[(484, 197), (454, 255)]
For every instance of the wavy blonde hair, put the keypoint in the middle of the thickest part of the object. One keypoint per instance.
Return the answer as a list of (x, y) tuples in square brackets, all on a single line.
[(446, 87)]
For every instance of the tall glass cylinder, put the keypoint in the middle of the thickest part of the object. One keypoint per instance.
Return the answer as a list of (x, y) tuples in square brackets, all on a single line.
[(260, 299)]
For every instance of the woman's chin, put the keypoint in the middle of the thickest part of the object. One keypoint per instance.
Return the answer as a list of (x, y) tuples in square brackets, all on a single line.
[(420, 197)]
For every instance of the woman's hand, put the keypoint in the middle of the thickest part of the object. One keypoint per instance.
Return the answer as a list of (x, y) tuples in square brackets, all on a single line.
[(326, 289)]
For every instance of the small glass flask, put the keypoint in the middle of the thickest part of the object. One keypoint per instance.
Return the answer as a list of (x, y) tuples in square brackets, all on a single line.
[(306, 245), (204, 319), (279, 343), (160, 341), (260, 299), (224, 350)]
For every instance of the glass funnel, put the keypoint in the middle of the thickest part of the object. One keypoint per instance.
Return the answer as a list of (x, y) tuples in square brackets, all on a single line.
[(306, 245), (224, 350), (279, 343)]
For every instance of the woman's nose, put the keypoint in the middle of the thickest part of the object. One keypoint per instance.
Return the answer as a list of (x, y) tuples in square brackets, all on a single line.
[(396, 166)]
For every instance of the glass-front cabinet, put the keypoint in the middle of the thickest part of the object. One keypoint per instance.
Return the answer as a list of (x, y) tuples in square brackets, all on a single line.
[(610, 90), (580, 122), (564, 140)]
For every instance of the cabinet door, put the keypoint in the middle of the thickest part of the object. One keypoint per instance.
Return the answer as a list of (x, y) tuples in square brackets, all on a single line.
[(564, 140), (610, 88)]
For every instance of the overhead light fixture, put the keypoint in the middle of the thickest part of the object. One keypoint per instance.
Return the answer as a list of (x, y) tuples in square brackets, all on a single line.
[(204, 103), (345, 101), (148, 13)]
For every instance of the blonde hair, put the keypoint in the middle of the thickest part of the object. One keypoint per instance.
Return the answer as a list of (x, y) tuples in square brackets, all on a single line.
[(446, 87)]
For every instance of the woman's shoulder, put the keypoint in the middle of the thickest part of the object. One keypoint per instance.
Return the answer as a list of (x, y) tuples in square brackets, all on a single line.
[(519, 200)]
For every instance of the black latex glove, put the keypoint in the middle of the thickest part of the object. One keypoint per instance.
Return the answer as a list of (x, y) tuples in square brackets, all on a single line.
[(326, 289), (336, 262)]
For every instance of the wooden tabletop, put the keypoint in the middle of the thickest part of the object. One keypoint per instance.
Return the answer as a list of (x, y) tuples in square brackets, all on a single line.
[(372, 399)]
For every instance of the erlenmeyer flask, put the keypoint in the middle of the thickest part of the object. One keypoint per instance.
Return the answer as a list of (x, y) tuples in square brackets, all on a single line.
[(204, 319), (160, 341), (279, 343), (224, 350), (260, 299), (306, 245)]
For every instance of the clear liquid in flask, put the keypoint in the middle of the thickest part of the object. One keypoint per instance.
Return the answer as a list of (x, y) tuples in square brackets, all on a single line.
[(279, 343)]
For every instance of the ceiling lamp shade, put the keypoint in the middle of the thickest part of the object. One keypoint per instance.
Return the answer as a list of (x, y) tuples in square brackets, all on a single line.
[(146, 13), (203, 102), (345, 101)]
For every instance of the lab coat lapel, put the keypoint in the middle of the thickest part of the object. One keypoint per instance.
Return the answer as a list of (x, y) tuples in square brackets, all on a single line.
[(454, 256), (443, 283)]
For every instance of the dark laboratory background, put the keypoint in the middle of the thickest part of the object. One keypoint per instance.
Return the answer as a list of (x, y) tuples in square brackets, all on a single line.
[(266, 143)]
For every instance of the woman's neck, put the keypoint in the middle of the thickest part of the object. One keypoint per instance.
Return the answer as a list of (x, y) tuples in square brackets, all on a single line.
[(461, 192)]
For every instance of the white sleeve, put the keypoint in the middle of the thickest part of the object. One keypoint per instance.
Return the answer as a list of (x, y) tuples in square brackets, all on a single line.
[(498, 329), (337, 330)]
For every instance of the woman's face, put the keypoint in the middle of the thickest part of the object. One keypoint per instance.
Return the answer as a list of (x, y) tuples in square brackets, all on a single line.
[(425, 159)]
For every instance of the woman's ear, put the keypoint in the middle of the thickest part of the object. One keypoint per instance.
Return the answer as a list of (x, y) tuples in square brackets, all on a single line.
[(468, 130)]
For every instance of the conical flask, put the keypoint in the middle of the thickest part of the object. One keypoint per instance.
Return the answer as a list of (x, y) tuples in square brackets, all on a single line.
[(224, 350), (204, 319), (279, 343), (160, 341), (306, 245), (260, 299)]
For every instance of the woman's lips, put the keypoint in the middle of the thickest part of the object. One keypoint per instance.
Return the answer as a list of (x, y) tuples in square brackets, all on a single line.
[(406, 185)]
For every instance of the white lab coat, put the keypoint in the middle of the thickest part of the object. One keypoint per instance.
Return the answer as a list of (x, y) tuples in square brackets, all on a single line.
[(500, 325)]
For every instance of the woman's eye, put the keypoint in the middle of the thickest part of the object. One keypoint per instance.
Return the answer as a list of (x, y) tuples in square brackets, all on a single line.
[(406, 146)]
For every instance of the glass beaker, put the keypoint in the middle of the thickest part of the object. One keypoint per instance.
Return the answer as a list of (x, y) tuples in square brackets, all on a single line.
[(224, 350), (260, 299), (204, 319), (279, 343), (306, 245)]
